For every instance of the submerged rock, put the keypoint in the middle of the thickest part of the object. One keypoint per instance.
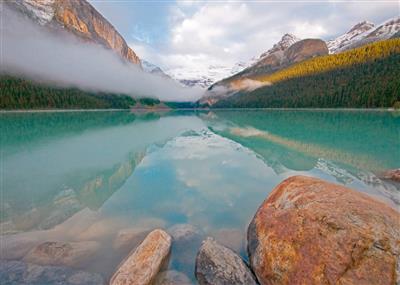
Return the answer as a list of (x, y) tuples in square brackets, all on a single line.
[(393, 174), (13, 247), (172, 277), (312, 232), (186, 240), (184, 232), (21, 273), (129, 238), (143, 265), (218, 265), (231, 238), (71, 254)]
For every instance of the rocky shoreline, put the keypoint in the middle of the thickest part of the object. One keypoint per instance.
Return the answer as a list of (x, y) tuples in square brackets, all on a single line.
[(307, 231)]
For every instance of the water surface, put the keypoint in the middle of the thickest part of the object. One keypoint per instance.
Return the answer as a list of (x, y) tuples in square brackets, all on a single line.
[(79, 176)]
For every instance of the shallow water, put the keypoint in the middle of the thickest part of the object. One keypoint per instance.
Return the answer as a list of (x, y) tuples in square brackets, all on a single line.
[(79, 176)]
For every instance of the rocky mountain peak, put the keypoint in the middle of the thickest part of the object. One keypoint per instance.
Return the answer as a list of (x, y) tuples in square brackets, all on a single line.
[(356, 32), (361, 27), (78, 17), (363, 33), (286, 41), (386, 29), (153, 69), (42, 11)]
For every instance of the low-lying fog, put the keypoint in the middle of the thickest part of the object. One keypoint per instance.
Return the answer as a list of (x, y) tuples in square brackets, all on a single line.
[(38, 53)]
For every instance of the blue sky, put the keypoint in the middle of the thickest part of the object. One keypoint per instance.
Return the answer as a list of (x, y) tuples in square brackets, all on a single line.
[(196, 34)]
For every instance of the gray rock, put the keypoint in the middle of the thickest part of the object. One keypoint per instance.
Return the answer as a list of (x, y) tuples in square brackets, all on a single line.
[(218, 265), (21, 273)]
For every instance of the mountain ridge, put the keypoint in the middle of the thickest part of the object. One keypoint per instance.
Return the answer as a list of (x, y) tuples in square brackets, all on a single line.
[(363, 33), (281, 56), (78, 17), (367, 76)]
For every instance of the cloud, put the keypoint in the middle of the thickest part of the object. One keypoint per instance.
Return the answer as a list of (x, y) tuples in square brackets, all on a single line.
[(35, 52), (211, 29), (225, 32)]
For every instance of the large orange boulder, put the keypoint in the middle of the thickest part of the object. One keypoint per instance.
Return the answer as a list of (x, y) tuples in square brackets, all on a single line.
[(142, 266), (309, 231)]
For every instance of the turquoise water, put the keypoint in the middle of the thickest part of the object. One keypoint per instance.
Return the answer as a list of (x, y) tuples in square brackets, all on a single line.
[(78, 176)]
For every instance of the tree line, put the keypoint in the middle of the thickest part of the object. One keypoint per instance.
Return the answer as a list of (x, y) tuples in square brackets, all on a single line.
[(19, 93)]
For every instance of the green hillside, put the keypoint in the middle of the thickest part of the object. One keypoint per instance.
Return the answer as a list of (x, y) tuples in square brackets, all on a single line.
[(366, 77)]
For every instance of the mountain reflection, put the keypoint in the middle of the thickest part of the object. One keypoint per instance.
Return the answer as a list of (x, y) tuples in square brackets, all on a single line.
[(91, 177), (56, 164), (297, 139)]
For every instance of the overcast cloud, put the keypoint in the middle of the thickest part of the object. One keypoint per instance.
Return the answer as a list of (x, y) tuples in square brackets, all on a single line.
[(189, 34)]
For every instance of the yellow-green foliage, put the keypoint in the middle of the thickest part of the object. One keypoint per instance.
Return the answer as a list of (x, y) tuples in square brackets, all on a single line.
[(321, 64)]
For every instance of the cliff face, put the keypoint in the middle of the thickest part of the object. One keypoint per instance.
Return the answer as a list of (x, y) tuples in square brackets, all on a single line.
[(79, 18), (305, 49)]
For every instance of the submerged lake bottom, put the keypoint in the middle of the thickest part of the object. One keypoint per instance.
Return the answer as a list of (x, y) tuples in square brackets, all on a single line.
[(97, 179)]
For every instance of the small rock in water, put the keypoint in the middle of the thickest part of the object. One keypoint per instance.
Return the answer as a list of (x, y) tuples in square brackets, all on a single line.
[(143, 265), (16, 246), (129, 238), (72, 254), (219, 265), (21, 273), (310, 231), (172, 277)]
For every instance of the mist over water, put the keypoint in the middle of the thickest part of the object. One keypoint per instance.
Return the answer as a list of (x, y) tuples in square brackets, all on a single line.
[(55, 57)]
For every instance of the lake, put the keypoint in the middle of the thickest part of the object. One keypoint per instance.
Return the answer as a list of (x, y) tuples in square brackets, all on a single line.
[(88, 176)]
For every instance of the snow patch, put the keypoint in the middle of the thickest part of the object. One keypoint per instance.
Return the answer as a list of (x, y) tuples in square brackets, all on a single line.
[(205, 77), (42, 10), (364, 32)]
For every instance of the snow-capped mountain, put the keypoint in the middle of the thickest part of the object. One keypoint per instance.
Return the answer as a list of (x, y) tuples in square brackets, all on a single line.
[(286, 41), (347, 38), (205, 77), (386, 29), (364, 32), (152, 68)]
